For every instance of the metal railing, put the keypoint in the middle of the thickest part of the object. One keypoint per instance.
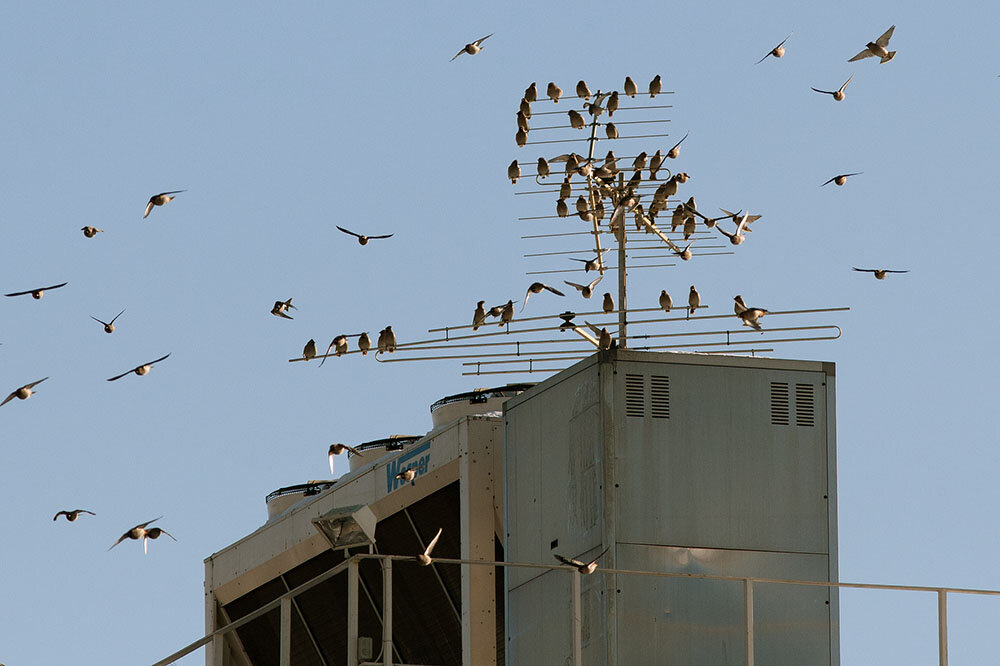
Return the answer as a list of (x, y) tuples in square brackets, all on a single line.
[(284, 603)]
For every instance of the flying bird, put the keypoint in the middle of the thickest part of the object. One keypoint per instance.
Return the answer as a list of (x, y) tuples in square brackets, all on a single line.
[(879, 48), (362, 239), (139, 369), (309, 351), (842, 178), (72, 515), (337, 449), (90, 232), (473, 48), (140, 532), (39, 292), (584, 568), (749, 315), (585, 290), (880, 274), (684, 254), (694, 301), (675, 152), (554, 92), (839, 94), (160, 199), (591, 264), (280, 309), (536, 288), (109, 326), (424, 558), (22, 393), (777, 51), (738, 237), (407, 475)]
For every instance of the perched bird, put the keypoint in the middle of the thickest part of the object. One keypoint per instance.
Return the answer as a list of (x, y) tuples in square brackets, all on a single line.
[(424, 558), (611, 131), (586, 290), (839, 94), (777, 51), (603, 336), (608, 306), (513, 172), (581, 204), (612, 103), (655, 162), (584, 568), (582, 91), (140, 532), (611, 162), (407, 475), (522, 121), (90, 232), (72, 515), (338, 448), (655, 86), (639, 163), (674, 152), (109, 326), (562, 210), (531, 92), (576, 121), (139, 369), (479, 316), (842, 178), (390, 339), (536, 288), (160, 199), (339, 343), (524, 108), (630, 88), (738, 237), (694, 300), (473, 48), (690, 226), (280, 309), (750, 316), (565, 189), (665, 301), (362, 239), (879, 48), (507, 314), (309, 351), (521, 138), (364, 343), (22, 393), (543, 168), (39, 292), (880, 274), (554, 92), (381, 340)]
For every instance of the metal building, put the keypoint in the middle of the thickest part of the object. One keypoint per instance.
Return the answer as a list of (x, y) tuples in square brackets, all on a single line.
[(678, 463)]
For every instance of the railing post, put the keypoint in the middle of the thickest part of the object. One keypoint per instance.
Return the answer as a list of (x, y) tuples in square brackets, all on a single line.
[(352, 613), (942, 627), (748, 611), (219, 650), (387, 612), (577, 620), (285, 637)]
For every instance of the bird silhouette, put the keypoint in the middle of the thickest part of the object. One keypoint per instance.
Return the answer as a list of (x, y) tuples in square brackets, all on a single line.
[(878, 49), (139, 369), (838, 94), (777, 51), (22, 393), (584, 568), (424, 558), (585, 290), (536, 288), (161, 199), (38, 292), (109, 326), (841, 178), (90, 232), (879, 273), (72, 515), (362, 239), (280, 309), (472, 48)]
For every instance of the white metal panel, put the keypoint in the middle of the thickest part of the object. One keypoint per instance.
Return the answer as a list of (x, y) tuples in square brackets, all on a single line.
[(667, 621)]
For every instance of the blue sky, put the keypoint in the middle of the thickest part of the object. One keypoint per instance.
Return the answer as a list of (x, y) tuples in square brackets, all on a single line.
[(283, 121)]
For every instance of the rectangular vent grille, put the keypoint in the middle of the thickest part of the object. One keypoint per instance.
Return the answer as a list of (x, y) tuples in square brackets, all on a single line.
[(635, 395), (659, 393), (779, 403), (805, 408)]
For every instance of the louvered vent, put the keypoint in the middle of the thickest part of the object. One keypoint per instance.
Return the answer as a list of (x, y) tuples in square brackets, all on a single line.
[(805, 407), (635, 396), (779, 403), (659, 393)]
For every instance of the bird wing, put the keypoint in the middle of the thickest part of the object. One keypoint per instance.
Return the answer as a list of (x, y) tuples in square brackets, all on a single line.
[(281, 313), (163, 531), (384, 236), (331, 457), (764, 58), (554, 291), (566, 560), (883, 41), (601, 555), (864, 270), (171, 192), (480, 41), (830, 181), (85, 511), (55, 286), (33, 384), (98, 320), (430, 546), (825, 92), (888, 271), (724, 232), (595, 281), (8, 398), (348, 231), (61, 513), (19, 293), (574, 284), (151, 363), (120, 539), (458, 54), (681, 141), (743, 224), (149, 207), (845, 83), (327, 352), (117, 377), (861, 56), (116, 317), (352, 449)]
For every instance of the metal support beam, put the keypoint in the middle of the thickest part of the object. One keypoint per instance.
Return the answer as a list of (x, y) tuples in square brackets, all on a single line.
[(577, 620), (387, 612), (748, 609), (352, 612), (942, 596), (285, 637)]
